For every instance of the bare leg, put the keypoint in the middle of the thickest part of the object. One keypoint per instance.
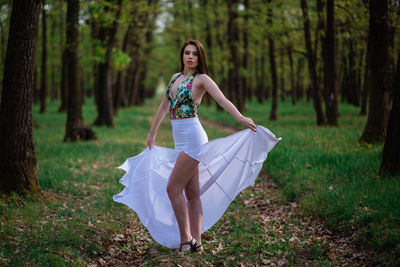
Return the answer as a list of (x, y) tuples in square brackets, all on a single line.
[(192, 191), (184, 169)]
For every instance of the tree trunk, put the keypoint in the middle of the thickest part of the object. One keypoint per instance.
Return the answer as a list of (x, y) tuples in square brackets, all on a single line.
[(18, 153), (378, 111), (43, 86), (75, 129), (53, 86), (391, 149), (209, 44), (233, 40), (64, 81), (299, 78), (315, 89), (292, 81), (94, 34), (223, 83), (150, 22), (282, 77), (120, 90), (244, 81), (260, 78), (274, 107), (331, 103), (354, 94), (105, 104), (367, 81)]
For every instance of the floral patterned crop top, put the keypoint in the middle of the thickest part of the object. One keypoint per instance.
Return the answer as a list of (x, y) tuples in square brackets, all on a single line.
[(182, 106)]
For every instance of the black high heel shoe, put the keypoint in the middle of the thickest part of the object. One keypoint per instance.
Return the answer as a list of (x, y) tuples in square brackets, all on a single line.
[(194, 247), (190, 243)]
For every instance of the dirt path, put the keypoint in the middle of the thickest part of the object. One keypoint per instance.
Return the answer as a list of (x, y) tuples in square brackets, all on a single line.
[(309, 242)]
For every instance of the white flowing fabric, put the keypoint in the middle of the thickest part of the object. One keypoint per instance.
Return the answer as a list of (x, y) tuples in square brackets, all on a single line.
[(226, 167)]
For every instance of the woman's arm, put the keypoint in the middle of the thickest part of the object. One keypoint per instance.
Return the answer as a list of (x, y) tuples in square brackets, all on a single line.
[(162, 110), (211, 87)]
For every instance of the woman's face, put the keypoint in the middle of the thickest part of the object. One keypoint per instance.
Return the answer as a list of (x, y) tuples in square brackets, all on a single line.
[(191, 56)]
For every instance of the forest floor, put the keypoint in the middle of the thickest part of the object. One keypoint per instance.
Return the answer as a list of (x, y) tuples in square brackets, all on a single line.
[(286, 236)]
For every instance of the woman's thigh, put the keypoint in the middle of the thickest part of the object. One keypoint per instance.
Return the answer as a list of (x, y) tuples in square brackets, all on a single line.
[(184, 170)]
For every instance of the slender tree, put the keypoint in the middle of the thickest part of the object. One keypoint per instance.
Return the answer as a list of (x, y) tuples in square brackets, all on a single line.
[(378, 110), (105, 105), (233, 39), (244, 85), (292, 80), (315, 88), (367, 69), (330, 69), (43, 84), (271, 44), (120, 87), (75, 128), (391, 149), (17, 150), (223, 82)]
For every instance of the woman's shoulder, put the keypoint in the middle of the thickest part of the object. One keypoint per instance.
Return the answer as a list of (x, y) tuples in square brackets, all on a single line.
[(202, 77), (174, 75)]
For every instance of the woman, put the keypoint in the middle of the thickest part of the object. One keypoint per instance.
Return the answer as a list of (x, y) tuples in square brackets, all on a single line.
[(183, 187)]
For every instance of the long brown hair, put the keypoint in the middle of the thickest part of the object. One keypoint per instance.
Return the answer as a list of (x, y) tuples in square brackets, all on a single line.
[(202, 62)]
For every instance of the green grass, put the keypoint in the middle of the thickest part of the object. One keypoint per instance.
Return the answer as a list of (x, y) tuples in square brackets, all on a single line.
[(325, 168), (330, 172)]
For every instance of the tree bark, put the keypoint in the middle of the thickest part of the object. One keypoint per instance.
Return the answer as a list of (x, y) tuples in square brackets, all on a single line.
[(292, 81), (274, 106), (64, 82), (331, 103), (54, 69), (43, 86), (233, 40), (120, 87), (204, 4), (75, 129), (246, 91), (282, 76), (378, 110), (260, 77), (223, 82), (105, 104), (315, 89), (17, 150), (367, 70), (391, 149)]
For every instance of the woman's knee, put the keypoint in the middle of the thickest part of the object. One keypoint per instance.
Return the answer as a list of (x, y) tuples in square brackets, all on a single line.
[(192, 193), (173, 190)]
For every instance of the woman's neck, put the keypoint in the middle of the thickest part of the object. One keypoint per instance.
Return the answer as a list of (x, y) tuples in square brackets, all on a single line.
[(188, 71)]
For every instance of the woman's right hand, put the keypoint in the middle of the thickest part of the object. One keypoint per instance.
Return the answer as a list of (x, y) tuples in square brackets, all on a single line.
[(150, 140), (248, 123)]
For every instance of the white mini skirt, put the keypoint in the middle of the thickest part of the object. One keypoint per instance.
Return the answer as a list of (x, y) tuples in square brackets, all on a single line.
[(188, 135), (227, 166)]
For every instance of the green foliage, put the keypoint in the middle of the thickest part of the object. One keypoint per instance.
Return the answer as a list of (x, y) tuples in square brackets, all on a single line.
[(120, 59)]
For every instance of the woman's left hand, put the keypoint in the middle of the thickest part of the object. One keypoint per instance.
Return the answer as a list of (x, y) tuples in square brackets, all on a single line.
[(248, 123)]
